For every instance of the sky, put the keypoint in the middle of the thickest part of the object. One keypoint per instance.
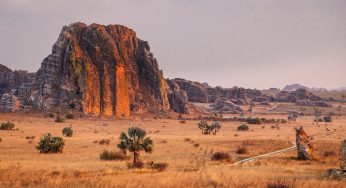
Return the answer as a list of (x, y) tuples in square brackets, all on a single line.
[(249, 43)]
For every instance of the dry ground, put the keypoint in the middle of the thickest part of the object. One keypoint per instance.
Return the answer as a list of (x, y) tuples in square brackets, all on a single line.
[(189, 166)]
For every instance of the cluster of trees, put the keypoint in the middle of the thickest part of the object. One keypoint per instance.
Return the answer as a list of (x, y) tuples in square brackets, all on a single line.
[(208, 129)]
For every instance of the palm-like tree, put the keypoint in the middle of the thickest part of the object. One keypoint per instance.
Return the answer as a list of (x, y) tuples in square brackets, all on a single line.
[(135, 142)]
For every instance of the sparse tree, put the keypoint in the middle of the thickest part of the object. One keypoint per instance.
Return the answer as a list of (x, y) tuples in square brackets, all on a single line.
[(317, 114), (203, 125), (135, 142), (215, 127)]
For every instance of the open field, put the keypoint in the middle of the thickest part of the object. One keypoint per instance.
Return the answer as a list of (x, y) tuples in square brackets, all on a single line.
[(189, 166)]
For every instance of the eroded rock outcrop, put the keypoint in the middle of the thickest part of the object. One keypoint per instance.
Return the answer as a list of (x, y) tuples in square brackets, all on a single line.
[(196, 91), (178, 99), (104, 70), (9, 103), (305, 147), (226, 105)]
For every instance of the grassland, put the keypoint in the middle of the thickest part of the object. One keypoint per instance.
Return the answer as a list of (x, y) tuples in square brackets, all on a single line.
[(189, 165)]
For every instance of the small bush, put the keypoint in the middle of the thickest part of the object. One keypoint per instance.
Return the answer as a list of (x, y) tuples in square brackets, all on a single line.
[(138, 164), (329, 153), (69, 116), (104, 142), (59, 119), (253, 120), (283, 121), (67, 131), (220, 156), (187, 139), (159, 166), (7, 126), (241, 150), (112, 155), (182, 121), (243, 127), (49, 144), (327, 119), (0, 139), (196, 145), (279, 184)]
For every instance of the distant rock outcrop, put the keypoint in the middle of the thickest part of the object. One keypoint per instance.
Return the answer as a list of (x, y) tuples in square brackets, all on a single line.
[(294, 87), (226, 105), (177, 97), (103, 70), (196, 91)]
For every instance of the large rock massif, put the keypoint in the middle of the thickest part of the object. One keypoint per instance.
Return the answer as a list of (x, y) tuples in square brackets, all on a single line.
[(104, 70)]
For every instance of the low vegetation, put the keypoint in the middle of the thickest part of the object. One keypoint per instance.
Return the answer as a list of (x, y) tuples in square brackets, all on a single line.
[(59, 119), (243, 127), (69, 116), (258, 121), (49, 144), (67, 131), (241, 150), (7, 126), (207, 129), (327, 119), (221, 156), (112, 155)]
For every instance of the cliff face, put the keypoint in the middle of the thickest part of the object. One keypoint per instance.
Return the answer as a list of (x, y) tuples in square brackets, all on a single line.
[(104, 70)]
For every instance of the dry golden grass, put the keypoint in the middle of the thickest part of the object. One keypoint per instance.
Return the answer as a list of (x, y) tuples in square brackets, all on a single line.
[(174, 143)]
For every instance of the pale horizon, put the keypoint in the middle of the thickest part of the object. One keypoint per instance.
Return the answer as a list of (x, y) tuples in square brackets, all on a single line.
[(229, 43)]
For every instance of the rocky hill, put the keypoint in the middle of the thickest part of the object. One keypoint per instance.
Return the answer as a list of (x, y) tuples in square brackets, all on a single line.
[(294, 87), (101, 70)]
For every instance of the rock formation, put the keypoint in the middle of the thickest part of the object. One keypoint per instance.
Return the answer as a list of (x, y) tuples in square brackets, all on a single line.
[(196, 91), (177, 97), (340, 173), (9, 103), (104, 70), (225, 105), (304, 146), (343, 155)]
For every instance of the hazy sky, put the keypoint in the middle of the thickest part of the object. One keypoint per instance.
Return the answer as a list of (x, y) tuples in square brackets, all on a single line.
[(249, 43)]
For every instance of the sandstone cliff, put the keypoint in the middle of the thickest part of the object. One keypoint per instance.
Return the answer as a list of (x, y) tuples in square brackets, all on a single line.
[(104, 70)]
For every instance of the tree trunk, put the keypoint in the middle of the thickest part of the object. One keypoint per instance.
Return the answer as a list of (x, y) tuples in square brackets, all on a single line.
[(304, 145)]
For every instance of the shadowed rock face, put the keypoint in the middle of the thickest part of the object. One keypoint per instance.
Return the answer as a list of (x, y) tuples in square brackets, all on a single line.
[(104, 70), (6, 79)]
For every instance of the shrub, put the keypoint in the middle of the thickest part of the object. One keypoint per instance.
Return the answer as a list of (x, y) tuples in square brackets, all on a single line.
[(67, 131), (0, 139), (182, 121), (243, 127), (69, 116), (159, 166), (327, 119), (6, 126), (59, 119), (241, 150), (279, 184), (329, 153), (104, 141), (283, 121), (137, 164), (253, 120), (49, 144), (112, 155), (196, 145), (220, 156)]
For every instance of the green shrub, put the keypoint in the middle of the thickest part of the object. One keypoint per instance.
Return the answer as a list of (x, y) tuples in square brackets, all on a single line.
[(253, 121), (49, 144), (243, 127), (6, 126), (241, 150), (59, 119), (327, 119), (67, 131), (112, 155), (220, 156)]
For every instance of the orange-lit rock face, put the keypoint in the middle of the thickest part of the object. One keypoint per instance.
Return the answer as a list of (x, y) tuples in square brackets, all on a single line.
[(103, 70), (122, 99)]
